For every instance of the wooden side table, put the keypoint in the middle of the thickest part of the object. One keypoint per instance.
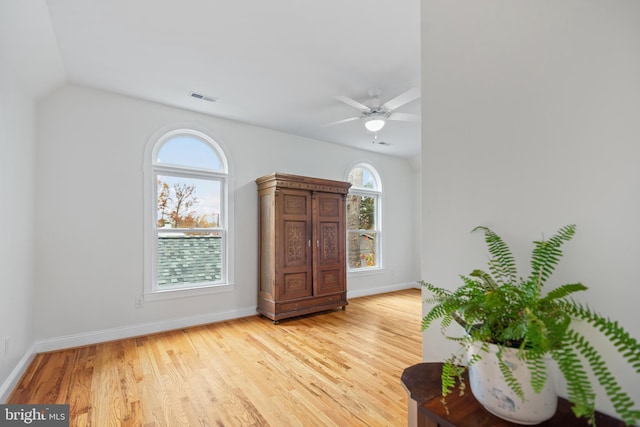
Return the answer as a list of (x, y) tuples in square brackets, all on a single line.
[(423, 384)]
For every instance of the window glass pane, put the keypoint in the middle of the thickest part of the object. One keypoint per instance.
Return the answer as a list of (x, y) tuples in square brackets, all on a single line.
[(188, 202), (189, 151), (361, 212), (363, 178), (189, 258), (362, 234), (362, 249)]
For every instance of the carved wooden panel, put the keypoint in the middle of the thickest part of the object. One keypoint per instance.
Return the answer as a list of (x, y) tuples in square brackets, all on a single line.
[(296, 285), (295, 243), (330, 281), (328, 206), (329, 241), (294, 204)]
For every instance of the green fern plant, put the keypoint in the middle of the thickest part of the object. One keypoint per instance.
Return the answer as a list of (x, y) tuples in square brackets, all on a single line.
[(501, 308)]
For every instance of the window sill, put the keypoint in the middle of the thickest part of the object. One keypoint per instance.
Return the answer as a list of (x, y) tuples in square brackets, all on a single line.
[(191, 292), (365, 271)]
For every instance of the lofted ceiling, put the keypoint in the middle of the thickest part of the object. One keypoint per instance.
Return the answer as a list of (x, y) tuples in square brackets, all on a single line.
[(278, 64)]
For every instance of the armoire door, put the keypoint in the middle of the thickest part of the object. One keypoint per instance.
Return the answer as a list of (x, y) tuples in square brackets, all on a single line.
[(329, 236), (295, 269)]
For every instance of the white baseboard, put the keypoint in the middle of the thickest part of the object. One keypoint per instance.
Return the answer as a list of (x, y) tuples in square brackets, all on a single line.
[(94, 337), (14, 377), (382, 289)]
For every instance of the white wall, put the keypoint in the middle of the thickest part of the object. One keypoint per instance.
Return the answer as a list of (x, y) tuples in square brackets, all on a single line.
[(27, 69), (90, 217), (531, 120), (17, 254)]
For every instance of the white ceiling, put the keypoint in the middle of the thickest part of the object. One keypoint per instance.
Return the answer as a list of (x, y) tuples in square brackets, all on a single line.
[(277, 64)]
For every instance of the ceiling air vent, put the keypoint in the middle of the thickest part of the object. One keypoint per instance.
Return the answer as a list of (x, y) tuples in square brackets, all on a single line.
[(203, 97)]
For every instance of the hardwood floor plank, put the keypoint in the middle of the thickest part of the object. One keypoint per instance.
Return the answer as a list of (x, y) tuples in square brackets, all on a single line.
[(337, 368)]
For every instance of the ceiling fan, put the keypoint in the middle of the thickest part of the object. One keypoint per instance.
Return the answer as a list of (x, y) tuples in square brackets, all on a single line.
[(374, 114)]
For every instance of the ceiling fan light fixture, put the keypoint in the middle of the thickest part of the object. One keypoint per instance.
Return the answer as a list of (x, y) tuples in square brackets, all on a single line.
[(374, 124)]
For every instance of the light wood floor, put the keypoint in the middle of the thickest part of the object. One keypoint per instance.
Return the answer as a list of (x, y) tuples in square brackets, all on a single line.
[(337, 368)]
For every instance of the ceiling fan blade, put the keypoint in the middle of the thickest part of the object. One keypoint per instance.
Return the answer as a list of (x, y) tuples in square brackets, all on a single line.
[(350, 119), (404, 117), (403, 98), (353, 103)]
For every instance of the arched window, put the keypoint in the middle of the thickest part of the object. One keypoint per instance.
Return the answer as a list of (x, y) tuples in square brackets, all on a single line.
[(188, 213), (364, 234)]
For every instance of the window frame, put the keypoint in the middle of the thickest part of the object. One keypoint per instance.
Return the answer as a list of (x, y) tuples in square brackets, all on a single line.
[(153, 169), (377, 195)]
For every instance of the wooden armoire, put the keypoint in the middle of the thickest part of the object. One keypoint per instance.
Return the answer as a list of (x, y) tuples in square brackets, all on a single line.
[(302, 261)]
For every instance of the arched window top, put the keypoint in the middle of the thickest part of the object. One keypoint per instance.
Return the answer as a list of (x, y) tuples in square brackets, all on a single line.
[(189, 214), (189, 149), (364, 176)]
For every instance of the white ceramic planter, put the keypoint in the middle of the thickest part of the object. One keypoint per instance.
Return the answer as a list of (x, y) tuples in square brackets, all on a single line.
[(490, 389)]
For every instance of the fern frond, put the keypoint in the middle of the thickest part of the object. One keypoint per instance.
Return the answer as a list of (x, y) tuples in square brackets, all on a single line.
[(538, 369), (503, 264), (546, 255), (485, 278), (461, 340), (470, 284), (563, 291), (508, 376), (579, 389), (626, 345), (434, 300), (437, 312), (536, 330), (474, 358), (437, 291), (620, 400), (446, 321), (452, 372)]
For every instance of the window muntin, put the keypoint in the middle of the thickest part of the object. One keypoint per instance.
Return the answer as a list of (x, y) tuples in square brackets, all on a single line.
[(363, 219), (190, 226)]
